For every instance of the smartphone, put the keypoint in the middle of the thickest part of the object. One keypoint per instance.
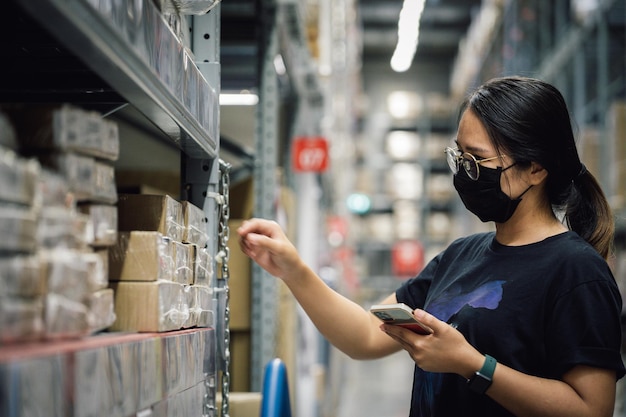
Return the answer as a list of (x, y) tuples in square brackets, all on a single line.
[(400, 315)]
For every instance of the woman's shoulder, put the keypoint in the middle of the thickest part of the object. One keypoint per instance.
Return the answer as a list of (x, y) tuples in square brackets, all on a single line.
[(473, 240), (570, 245)]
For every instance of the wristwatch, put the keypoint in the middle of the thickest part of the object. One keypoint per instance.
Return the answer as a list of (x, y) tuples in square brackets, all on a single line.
[(481, 380)]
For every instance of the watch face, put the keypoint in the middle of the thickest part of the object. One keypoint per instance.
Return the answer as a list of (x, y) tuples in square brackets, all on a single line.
[(479, 383)]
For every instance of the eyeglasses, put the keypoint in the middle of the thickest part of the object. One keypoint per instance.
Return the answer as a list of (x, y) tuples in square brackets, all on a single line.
[(469, 162)]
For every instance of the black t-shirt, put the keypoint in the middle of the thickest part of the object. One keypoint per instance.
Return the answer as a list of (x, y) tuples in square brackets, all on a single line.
[(540, 309)]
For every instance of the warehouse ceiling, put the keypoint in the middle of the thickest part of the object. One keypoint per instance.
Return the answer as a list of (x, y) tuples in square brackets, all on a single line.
[(443, 25)]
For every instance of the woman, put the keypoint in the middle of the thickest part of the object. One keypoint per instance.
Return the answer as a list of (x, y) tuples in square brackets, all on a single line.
[(526, 319)]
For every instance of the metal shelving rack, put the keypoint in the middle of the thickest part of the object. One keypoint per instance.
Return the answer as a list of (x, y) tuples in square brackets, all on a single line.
[(91, 32), (110, 47)]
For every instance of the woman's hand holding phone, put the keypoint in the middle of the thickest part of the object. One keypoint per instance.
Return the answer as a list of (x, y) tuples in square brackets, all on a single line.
[(399, 314)]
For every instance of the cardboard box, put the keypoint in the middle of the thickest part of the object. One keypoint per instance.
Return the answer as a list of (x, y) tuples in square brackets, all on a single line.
[(241, 199), (44, 128), (159, 213), (141, 256), (204, 269), (239, 283), (201, 306), (101, 309), (19, 178), (149, 306), (183, 261), (102, 224), (195, 225), (240, 345), (242, 404), (22, 276)]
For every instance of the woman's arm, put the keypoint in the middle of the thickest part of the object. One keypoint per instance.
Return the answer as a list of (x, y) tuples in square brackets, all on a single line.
[(584, 391), (345, 324)]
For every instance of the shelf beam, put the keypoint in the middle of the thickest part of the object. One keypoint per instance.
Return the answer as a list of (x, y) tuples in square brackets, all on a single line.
[(98, 42)]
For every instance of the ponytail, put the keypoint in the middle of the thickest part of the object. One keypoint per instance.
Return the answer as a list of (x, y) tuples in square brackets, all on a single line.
[(588, 213)]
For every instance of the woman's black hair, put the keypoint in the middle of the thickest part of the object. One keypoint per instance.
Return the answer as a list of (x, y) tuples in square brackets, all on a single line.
[(529, 119)]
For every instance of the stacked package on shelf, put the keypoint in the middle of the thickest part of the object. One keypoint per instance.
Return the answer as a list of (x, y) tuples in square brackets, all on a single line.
[(21, 285), (160, 269), (77, 219)]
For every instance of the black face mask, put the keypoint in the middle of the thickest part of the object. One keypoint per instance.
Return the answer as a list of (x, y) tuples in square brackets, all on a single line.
[(484, 197)]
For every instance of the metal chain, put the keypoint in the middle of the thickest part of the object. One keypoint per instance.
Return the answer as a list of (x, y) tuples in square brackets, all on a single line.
[(224, 256)]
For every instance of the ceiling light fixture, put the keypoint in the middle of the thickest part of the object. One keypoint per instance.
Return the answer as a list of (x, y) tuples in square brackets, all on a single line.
[(408, 34), (279, 65), (244, 98)]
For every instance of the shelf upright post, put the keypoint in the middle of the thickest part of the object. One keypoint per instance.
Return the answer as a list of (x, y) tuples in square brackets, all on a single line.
[(602, 50), (201, 186), (264, 286)]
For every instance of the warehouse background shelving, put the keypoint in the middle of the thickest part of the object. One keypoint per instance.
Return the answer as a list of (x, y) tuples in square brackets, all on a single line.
[(579, 46)]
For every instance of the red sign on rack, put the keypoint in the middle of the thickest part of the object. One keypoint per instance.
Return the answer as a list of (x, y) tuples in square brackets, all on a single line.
[(407, 258), (310, 154)]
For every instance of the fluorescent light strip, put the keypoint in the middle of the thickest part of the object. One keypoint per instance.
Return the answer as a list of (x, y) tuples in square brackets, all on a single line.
[(245, 99), (408, 34)]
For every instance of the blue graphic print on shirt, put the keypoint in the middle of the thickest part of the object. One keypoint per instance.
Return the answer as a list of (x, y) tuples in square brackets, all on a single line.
[(444, 307)]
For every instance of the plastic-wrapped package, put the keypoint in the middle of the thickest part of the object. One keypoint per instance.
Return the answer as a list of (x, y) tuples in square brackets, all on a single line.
[(92, 391), (21, 319), (141, 256), (35, 387), (186, 403), (100, 137), (201, 308), (97, 270), (195, 222), (45, 128), (18, 225), (21, 276), (149, 306), (18, 177), (183, 256), (84, 132), (60, 227), (87, 178), (104, 189), (151, 212), (101, 305), (78, 171), (54, 190), (190, 296), (65, 318), (203, 268), (68, 273), (151, 387), (102, 224)]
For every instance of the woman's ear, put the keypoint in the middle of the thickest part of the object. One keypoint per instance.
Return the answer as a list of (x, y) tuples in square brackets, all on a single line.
[(537, 173)]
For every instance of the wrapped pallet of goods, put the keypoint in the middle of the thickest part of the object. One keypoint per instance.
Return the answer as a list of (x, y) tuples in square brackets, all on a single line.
[(159, 268), (72, 212)]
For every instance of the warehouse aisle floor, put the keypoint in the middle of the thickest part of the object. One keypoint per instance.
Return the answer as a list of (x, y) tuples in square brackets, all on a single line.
[(376, 388)]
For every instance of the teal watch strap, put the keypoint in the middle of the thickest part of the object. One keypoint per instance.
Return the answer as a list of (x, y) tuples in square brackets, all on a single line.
[(481, 380), (489, 367)]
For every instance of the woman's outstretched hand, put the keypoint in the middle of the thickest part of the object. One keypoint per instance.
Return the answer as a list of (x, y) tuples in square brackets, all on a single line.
[(445, 350), (265, 243)]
